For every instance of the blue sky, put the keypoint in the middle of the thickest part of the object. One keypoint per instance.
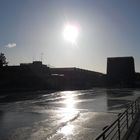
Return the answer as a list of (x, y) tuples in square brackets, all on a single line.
[(30, 29)]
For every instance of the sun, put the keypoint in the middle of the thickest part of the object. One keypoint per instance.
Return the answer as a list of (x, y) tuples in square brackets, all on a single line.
[(70, 33)]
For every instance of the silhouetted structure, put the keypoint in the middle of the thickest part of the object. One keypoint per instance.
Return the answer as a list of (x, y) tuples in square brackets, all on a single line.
[(75, 78), (31, 75), (38, 76), (137, 79), (121, 71)]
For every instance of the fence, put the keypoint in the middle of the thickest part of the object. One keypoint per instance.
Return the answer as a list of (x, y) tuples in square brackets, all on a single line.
[(119, 127)]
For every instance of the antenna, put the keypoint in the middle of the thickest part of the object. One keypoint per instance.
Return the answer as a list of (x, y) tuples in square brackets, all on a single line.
[(41, 57), (33, 58)]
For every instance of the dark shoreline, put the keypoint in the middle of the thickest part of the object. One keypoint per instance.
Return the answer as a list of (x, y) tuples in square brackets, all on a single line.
[(8, 95)]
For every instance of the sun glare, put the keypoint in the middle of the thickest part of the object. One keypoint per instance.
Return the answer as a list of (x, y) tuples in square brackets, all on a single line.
[(67, 130), (70, 33)]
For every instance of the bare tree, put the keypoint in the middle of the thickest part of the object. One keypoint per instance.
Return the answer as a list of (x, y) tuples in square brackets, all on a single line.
[(3, 61)]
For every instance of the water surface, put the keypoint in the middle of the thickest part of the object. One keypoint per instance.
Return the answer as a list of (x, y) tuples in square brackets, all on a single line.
[(64, 115)]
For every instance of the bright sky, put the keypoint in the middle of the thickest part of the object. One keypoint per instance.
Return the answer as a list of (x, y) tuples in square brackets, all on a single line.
[(33, 29)]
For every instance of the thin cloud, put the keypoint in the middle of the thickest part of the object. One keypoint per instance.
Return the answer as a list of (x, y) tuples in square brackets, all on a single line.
[(11, 45)]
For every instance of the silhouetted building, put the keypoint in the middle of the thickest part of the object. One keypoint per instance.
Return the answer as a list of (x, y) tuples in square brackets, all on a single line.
[(137, 79), (121, 71), (76, 78), (28, 75)]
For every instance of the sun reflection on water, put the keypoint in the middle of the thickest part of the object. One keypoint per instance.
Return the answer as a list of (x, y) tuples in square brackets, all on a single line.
[(69, 112), (67, 130)]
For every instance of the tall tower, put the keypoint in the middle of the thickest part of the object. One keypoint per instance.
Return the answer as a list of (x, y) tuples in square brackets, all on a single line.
[(121, 70)]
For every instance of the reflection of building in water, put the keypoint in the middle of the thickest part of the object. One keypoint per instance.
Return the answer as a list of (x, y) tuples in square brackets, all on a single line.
[(119, 98), (121, 70)]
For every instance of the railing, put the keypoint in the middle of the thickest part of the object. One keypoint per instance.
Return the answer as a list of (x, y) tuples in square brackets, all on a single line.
[(119, 127)]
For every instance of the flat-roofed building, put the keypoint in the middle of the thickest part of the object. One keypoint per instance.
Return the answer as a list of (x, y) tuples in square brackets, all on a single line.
[(121, 70)]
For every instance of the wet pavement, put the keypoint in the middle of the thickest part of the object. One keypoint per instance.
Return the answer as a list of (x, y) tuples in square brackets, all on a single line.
[(65, 115)]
